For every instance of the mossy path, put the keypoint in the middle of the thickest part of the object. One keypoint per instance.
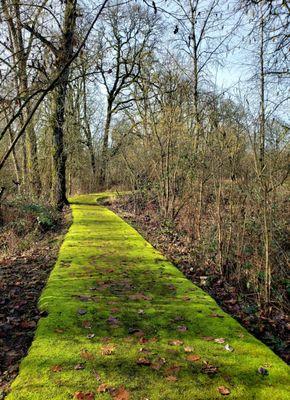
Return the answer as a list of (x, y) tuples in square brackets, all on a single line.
[(124, 323)]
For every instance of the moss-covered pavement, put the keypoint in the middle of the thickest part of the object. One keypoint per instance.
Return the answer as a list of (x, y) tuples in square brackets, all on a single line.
[(124, 323)]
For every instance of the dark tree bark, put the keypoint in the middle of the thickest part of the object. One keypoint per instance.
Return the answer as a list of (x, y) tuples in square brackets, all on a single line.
[(65, 52), (105, 146)]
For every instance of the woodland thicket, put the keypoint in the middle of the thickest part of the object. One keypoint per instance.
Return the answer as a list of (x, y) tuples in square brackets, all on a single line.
[(124, 96)]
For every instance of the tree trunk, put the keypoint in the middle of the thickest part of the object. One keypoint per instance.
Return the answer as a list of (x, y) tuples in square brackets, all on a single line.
[(88, 134), (59, 157), (20, 60), (262, 172), (104, 155)]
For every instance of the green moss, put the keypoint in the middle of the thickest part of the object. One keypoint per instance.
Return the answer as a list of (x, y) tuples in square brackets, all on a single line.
[(107, 269)]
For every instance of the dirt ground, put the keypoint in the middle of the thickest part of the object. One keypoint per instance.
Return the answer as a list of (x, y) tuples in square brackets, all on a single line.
[(22, 278)]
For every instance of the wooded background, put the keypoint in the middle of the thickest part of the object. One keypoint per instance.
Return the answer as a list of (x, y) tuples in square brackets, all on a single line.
[(124, 95)]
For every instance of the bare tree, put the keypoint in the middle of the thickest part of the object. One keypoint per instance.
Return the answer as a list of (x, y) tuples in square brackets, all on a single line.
[(124, 41)]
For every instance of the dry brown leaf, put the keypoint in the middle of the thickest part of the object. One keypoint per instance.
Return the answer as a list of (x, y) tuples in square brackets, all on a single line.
[(86, 355), (208, 338), (143, 361), (157, 364), (103, 388), (182, 328), (209, 369), (120, 394), (215, 315), (175, 342), (220, 340), (188, 349), (56, 368), (108, 349), (59, 330), (84, 396), (193, 357), (172, 370), (139, 296), (224, 390), (171, 378), (79, 366), (86, 324)]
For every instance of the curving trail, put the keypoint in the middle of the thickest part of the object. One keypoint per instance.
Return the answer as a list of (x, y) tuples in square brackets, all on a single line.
[(124, 323)]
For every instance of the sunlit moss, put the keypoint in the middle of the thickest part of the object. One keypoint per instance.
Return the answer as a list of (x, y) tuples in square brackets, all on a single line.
[(110, 283)]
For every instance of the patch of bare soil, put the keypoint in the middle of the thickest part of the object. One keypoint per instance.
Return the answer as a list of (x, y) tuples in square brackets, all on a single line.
[(272, 329), (22, 278)]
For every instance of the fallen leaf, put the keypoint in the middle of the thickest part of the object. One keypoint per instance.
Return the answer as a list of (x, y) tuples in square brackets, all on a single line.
[(171, 378), (90, 335), (86, 324), (83, 298), (108, 350), (157, 364), (113, 321), (120, 394), (215, 315), (188, 349), (79, 366), (209, 369), (193, 357), (182, 328), (229, 348), (56, 368), (79, 396), (224, 390), (220, 340), (59, 330), (143, 361), (208, 338), (84, 396), (175, 342), (178, 318), (139, 296), (86, 355), (144, 350), (103, 388), (133, 330)]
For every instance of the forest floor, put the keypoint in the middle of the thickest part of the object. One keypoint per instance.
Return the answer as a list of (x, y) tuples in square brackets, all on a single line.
[(23, 275), (121, 322), (272, 329)]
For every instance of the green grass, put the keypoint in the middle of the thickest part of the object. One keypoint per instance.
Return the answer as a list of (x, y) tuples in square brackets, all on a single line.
[(124, 277)]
